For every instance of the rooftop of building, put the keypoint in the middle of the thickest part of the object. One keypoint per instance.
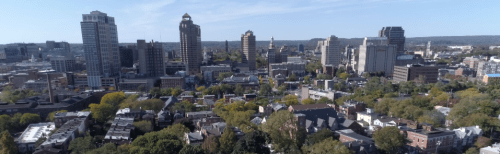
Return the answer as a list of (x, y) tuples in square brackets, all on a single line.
[(35, 131), (351, 134), (65, 131), (309, 107), (71, 114), (493, 75)]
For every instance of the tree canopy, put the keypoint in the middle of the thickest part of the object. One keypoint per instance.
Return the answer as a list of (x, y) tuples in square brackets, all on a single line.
[(284, 131), (389, 139)]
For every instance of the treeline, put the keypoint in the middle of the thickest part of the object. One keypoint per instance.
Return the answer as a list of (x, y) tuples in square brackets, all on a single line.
[(10, 95)]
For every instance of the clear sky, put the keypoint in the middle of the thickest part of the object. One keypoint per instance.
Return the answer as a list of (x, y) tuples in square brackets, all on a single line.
[(41, 20)]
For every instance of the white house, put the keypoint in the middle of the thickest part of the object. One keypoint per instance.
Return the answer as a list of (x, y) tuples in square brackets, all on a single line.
[(367, 116)]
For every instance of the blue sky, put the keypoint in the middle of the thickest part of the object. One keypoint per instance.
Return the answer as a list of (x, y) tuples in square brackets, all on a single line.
[(38, 21)]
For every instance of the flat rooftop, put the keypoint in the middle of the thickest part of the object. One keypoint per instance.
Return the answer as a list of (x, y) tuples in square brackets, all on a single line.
[(36, 131)]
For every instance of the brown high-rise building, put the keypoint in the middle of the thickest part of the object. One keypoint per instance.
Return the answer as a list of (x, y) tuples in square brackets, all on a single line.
[(248, 48), (190, 44), (151, 58)]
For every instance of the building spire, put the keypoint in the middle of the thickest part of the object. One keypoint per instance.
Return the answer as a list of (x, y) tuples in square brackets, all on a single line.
[(271, 45)]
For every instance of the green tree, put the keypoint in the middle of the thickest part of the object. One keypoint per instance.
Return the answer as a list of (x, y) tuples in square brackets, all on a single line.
[(292, 77), (176, 91), (184, 105), (29, 118), (149, 104), (81, 145), (177, 129), (323, 77), (472, 150), (282, 88), (307, 79), (102, 112), (211, 144), (291, 100), (227, 140), (143, 126), (265, 89), (482, 142), (327, 146), (156, 143), (324, 100), (271, 82), (200, 88), (287, 136), (5, 122), (344, 76), (224, 75), (308, 101), (389, 139), (253, 142), (190, 149), (239, 90), (319, 136), (7, 144), (113, 99)]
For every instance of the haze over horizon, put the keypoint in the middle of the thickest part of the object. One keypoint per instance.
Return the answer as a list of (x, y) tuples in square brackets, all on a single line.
[(227, 20)]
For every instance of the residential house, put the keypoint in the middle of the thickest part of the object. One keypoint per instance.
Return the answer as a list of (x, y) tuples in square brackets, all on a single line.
[(466, 137), (367, 116)]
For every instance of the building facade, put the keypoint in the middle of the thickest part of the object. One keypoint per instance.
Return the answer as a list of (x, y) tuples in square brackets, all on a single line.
[(412, 72), (100, 44), (375, 55), (151, 58), (126, 56), (248, 48), (191, 53), (63, 63), (395, 36), (330, 51)]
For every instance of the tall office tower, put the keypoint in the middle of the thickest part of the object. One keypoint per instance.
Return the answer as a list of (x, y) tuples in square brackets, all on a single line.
[(51, 45), (190, 44), (151, 58), (330, 51), (141, 53), (375, 55), (227, 47), (100, 44), (395, 36), (300, 47), (248, 48), (271, 55), (428, 51), (127, 56), (283, 54)]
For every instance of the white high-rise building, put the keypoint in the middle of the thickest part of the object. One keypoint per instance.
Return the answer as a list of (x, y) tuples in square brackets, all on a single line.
[(376, 55), (330, 51), (100, 44)]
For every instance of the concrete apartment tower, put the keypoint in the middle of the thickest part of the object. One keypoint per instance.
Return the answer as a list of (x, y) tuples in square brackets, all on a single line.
[(227, 47), (100, 44), (151, 58), (248, 48), (191, 52), (375, 55), (395, 36), (330, 51)]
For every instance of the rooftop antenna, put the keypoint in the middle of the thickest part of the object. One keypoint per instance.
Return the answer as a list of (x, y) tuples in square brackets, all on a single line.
[(160, 36)]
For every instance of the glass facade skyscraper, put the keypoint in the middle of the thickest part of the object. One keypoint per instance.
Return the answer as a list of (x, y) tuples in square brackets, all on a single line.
[(100, 45)]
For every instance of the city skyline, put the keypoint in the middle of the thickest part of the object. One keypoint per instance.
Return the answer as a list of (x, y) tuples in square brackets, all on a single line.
[(157, 20)]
